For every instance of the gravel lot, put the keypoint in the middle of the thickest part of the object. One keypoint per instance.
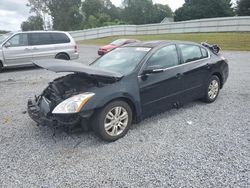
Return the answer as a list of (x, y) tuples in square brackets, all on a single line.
[(198, 145)]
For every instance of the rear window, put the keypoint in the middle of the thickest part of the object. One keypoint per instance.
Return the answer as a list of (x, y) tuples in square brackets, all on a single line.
[(204, 53), (192, 52), (60, 38)]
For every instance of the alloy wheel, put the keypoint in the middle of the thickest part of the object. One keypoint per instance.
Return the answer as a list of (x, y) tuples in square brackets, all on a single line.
[(116, 121), (213, 89)]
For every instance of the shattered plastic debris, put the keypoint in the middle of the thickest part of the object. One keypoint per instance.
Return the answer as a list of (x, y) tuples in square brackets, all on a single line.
[(5, 120)]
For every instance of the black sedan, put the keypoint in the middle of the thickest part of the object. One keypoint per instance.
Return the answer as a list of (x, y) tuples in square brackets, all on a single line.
[(129, 84)]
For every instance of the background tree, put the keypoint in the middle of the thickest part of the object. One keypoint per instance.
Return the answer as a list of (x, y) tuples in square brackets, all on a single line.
[(113, 11), (33, 23), (100, 13), (65, 14), (137, 11), (3, 32), (160, 12), (144, 11), (92, 7), (40, 8), (198, 9), (79, 14), (92, 22), (243, 8)]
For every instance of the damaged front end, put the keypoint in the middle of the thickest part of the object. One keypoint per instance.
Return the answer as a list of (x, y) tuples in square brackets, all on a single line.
[(54, 108), (61, 103)]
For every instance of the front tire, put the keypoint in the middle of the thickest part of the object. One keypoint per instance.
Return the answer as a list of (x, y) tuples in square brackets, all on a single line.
[(212, 89), (113, 121)]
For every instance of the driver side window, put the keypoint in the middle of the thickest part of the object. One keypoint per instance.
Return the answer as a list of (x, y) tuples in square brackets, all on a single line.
[(165, 57), (19, 40)]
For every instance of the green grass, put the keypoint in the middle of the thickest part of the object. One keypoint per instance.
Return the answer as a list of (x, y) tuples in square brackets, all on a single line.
[(227, 41)]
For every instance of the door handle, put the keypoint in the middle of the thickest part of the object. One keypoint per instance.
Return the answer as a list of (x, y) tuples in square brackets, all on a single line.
[(35, 48), (179, 75), (27, 49)]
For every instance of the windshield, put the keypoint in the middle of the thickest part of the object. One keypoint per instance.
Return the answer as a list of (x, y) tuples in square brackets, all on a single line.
[(118, 42), (3, 37), (122, 60)]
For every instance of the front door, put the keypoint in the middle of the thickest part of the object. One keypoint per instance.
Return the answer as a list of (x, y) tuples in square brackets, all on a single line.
[(159, 91), (17, 51)]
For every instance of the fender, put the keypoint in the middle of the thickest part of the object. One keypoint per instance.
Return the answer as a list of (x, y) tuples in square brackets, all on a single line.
[(99, 102), (220, 70)]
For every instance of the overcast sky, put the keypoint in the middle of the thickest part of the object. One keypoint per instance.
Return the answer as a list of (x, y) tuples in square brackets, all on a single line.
[(14, 12)]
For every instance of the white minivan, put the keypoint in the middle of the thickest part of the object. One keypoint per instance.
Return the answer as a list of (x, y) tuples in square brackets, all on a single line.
[(21, 48)]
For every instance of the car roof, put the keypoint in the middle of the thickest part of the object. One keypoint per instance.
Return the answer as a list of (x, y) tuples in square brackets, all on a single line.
[(39, 31), (158, 43), (126, 39)]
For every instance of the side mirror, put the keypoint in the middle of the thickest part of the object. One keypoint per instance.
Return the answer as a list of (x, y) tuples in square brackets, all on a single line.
[(7, 45), (153, 69)]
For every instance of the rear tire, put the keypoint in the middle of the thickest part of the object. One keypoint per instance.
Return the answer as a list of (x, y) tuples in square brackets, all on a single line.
[(113, 121), (62, 56), (212, 89)]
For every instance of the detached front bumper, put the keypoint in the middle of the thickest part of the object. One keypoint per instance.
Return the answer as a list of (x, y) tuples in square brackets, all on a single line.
[(34, 111), (41, 116)]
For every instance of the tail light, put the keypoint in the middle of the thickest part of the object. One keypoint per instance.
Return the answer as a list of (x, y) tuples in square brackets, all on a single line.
[(76, 48), (223, 58)]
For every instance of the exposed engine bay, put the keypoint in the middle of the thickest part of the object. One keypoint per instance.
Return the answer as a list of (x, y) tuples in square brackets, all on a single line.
[(57, 91), (67, 86)]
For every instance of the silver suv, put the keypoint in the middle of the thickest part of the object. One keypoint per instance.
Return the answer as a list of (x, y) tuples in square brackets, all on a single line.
[(21, 48)]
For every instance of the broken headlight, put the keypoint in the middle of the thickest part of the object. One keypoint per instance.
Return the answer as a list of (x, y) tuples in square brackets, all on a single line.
[(73, 104)]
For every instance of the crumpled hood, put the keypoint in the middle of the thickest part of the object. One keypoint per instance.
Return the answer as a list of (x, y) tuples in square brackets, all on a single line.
[(57, 65)]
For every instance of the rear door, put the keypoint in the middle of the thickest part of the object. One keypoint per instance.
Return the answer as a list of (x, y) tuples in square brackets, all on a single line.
[(159, 91), (17, 51), (196, 70), (42, 45), (63, 43)]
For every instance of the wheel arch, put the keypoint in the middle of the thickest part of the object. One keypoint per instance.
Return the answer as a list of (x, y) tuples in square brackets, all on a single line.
[(62, 53), (131, 103), (219, 75)]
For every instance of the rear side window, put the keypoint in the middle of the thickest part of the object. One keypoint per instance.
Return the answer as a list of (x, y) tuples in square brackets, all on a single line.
[(192, 52), (204, 53), (59, 38), (19, 40), (40, 39)]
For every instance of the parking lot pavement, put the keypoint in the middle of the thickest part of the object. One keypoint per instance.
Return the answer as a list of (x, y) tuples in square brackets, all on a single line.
[(87, 53), (199, 145)]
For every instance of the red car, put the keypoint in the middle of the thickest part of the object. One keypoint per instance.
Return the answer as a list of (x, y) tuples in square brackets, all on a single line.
[(117, 43)]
